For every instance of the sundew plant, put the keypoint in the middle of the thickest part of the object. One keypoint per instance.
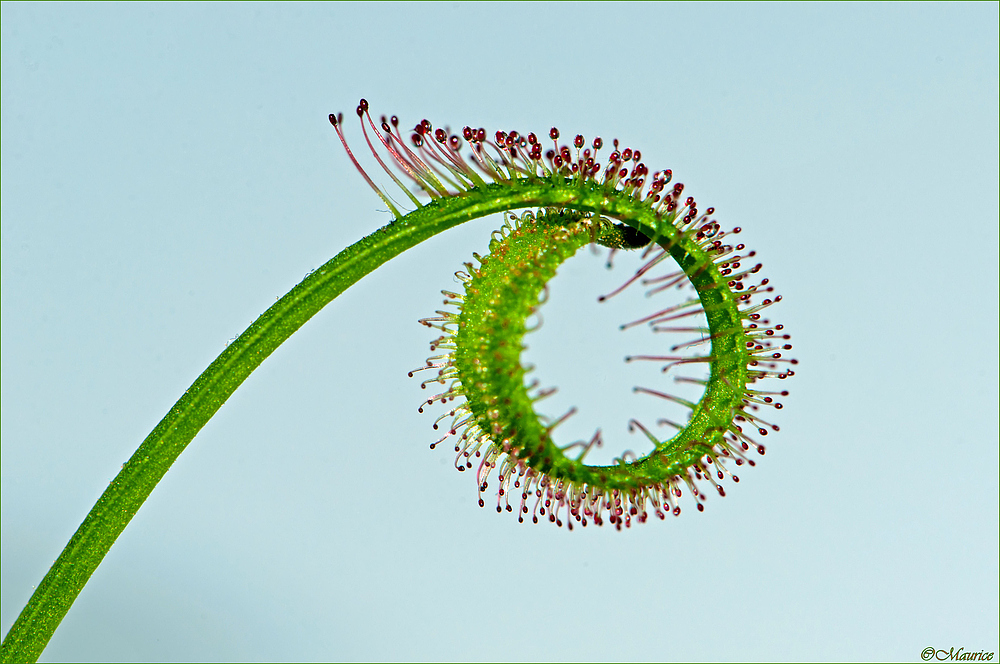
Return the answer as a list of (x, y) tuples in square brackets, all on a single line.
[(558, 194)]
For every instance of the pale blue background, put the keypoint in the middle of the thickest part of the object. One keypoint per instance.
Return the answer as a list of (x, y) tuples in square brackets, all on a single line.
[(168, 171)]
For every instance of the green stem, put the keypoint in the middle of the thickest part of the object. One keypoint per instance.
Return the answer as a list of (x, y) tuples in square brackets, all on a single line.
[(127, 492)]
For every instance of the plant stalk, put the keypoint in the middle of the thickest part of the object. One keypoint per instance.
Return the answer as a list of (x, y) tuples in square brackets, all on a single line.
[(126, 493)]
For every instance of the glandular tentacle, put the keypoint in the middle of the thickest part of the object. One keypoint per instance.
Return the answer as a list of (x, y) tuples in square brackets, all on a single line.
[(578, 200)]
